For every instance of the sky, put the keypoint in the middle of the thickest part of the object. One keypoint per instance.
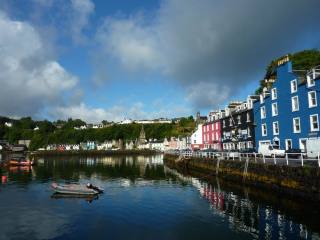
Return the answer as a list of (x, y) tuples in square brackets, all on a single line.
[(142, 59)]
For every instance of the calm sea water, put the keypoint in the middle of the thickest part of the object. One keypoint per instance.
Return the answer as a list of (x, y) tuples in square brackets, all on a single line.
[(143, 199)]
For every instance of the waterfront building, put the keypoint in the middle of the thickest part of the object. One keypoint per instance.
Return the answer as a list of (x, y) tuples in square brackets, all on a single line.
[(287, 113), (237, 125), (211, 131), (156, 145), (173, 143), (197, 138)]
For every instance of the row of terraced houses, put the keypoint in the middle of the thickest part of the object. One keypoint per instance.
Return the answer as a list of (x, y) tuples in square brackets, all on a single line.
[(285, 115)]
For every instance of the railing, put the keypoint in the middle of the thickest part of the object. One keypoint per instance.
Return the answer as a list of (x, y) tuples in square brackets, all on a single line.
[(289, 159)]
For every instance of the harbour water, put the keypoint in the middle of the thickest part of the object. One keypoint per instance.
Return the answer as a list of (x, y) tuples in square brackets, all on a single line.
[(143, 199)]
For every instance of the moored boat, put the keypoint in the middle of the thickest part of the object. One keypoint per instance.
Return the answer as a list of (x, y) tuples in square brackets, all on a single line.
[(24, 162), (14, 162), (76, 189)]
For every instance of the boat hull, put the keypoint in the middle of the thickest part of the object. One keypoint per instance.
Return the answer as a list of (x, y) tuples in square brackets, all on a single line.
[(73, 189), (21, 163)]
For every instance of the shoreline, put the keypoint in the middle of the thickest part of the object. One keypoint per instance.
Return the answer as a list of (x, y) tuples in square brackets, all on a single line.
[(92, 153), (297, 182)]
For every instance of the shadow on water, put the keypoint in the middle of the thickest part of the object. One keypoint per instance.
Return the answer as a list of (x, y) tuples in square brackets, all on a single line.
[(260, 214)]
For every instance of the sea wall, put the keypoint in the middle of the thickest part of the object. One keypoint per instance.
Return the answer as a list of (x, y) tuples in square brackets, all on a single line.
[(300, 181), (92, 153)]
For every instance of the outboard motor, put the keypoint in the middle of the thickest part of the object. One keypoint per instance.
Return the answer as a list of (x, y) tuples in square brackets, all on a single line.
[(99, 190)]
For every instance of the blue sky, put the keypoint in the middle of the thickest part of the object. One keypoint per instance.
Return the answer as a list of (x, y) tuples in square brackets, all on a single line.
[(110, 60)]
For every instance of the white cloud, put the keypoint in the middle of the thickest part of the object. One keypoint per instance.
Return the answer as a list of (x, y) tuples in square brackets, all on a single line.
[(224, 44), (80, 14), (30, 79), (133, 45), (116, 113)]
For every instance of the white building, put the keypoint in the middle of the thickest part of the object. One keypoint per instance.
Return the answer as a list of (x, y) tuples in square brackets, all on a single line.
[(8, 124), (126, 121), (156, 145), (196, 138)]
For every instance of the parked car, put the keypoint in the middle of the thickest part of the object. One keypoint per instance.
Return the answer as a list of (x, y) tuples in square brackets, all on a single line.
[(270, 150), (294, 153), (233, 154), (247, 150), (313, 147)]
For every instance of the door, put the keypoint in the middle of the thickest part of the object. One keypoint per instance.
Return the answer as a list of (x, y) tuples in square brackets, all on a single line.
[(288, 144), (303, 144)]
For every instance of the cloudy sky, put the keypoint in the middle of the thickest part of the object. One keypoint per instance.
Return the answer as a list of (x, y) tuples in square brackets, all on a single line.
[(142, 59)]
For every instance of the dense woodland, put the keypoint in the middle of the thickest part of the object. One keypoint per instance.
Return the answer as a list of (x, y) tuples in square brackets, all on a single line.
[(63, 131)]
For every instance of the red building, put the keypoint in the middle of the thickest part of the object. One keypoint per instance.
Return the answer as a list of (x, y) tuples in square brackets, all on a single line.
[(211, 132)]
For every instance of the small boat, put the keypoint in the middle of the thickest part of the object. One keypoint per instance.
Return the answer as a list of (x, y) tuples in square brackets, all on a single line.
[(76, 189), (24, 162)]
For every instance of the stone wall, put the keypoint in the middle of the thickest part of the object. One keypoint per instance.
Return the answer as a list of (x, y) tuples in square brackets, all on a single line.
[(296, 181)]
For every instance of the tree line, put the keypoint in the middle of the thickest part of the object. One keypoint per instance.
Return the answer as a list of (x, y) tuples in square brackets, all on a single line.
[(43, 133)]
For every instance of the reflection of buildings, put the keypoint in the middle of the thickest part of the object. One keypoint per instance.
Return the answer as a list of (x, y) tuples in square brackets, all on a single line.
[(242, 214)]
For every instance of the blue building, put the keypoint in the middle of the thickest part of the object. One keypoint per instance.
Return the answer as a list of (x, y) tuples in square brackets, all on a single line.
[(287, 113)]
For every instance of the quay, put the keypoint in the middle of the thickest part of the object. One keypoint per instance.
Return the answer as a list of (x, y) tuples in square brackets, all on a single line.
[(294, 180)]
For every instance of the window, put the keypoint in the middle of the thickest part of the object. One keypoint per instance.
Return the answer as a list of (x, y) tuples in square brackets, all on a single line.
[(274, 93), (274, 109), (275, 126), (310, 81), (312, 98), (294, 86), (295, 103), (263, 112), (314, 123), (249, 132), (224, 123), (261, 98), (296, 125), (288, 144), (248, 117), (264, 129), (239, 119), (230, 122)]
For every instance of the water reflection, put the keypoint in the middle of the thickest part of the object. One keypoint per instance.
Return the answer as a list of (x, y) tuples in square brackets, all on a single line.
[(263, 222), (141, 191)]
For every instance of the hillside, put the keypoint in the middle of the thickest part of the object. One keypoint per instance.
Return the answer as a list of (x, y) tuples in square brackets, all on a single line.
[(64, 132)]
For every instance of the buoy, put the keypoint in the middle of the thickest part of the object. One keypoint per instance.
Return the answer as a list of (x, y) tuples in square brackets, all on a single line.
[(4, 179)]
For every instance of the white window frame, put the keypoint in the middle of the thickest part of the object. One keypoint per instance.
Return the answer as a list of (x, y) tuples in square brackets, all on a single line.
[(263, 116), (274, 94), (292, 105), (249, 132), (239, 119), (310, 99), (264, 127), (294, 84), (261, 98), (286, 143), (312, 129), (294, 126), (274, 128), (248, 117), (310, 81), (273, 109)]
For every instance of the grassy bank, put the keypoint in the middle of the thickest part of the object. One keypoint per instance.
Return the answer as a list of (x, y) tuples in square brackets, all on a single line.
[(301, 182)]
